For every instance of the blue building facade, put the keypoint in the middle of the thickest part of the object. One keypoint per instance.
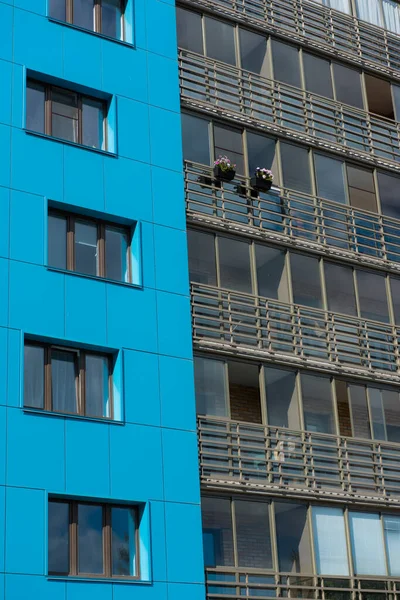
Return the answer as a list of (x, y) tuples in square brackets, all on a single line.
[(141, 452)]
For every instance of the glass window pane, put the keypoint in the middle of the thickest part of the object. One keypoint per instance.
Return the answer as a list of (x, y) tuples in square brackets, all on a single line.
[(195, 139), (367, 544), (348, 85), (391, 12), (372, 296), (286, 63), (379, 96), (111, 18), (90, 539), (317, 73), (340, 289), (271, 273), (33, 376), (282, 401), (388, 194), (261, 152), (295, 168), (202, 264), (253, 534), (293, 539), (211, 396), (57, 242), (64, 119), (317, 403), (330, 541), (217, 532), (391, 525), (123, 542), (83, 13), (396, 95), (58, 548), (234, 265), (329, 175), (377, 416), (57, 9), (189, 30), (92, 123), (359, 411), (244, 392), (35, 99), (395, 289), (391, 407), (117, 254), (343, 408), (306, 282), (86, 248), (228, 142), (370, 11), (220, 40), (63, 381), (97, 398), (253, 52), (361, 188)]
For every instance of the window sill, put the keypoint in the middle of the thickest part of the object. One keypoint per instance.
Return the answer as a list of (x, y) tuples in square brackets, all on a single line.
[(94, 277), (50, 413), (95, 33), (74, 144), (98, 579)]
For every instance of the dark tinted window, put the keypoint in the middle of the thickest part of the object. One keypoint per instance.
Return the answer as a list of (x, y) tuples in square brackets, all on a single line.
[(58, 546), (35, 99), (329, 173), (33, 376), (97, 398), (317, 73), (220, 40), (286, 63), (395, 287), (317, 403), (348, 85), (260, 152), (281, 393), (123, 541), (253, 52), (306, 282), (389, 195), (252, 525), (86, 247), (211, 396), (189, 30), (202, 266), (228, 142), (379, 96), (116, 247), (111, 22), (217, 532), (92, 123), (57, 9), (57, 242), (359, 411), (64, 115), (271, 273), (340, 289), (361, 188), (64, 384), (234, 264), (293, 539), (195, 139), (90, 539), (372, 296), (83, 13), (295, 168)]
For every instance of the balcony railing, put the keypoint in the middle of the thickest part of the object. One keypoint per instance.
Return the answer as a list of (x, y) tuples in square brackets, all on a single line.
[(259, 458), (239, 323), (236, 584), (317, 26), (294, 219), (279, 108)]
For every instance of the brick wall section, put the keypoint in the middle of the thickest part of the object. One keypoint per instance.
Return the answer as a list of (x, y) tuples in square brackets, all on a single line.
[(245, 403)]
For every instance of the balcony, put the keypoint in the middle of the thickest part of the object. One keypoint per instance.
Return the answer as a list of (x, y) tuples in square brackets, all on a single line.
[(275, 107), (235, 584), (293, 219), (264, 459), (318, 27), (248, 325)]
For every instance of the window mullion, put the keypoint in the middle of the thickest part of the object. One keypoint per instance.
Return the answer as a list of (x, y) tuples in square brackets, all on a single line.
[(69, 11), (98, 23), (47, 112), (80, 124), (101, 243)]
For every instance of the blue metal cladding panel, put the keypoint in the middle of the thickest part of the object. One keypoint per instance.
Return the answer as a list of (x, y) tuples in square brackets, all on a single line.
[(141, 457)]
